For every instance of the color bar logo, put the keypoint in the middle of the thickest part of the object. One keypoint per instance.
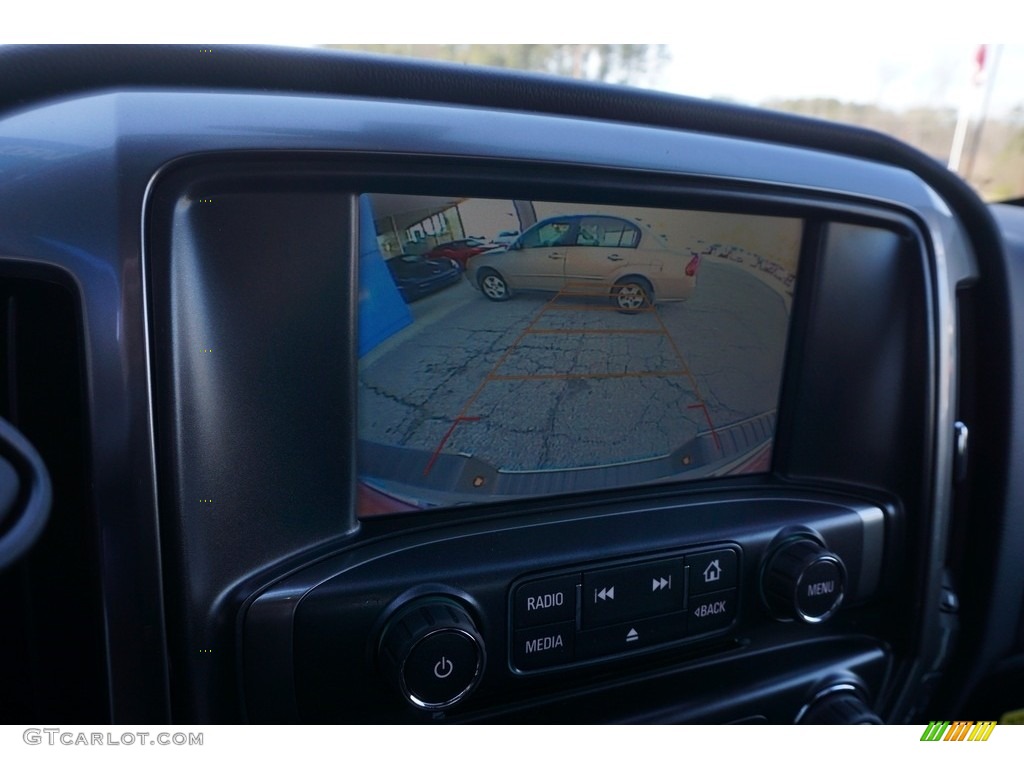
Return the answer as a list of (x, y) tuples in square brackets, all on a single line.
[(960, 730)]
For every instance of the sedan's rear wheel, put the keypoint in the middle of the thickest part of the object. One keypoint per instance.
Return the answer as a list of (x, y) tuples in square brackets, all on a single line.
[(494, 286), (632, 294)]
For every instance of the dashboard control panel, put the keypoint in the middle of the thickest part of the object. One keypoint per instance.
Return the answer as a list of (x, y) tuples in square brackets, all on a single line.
[(604, 611), (500, 618)]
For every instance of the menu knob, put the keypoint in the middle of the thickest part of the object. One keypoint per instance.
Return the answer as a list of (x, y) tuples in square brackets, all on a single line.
[(803, 581)]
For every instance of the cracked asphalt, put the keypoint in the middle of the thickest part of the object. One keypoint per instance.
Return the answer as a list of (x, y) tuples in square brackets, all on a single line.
[(584, 386)]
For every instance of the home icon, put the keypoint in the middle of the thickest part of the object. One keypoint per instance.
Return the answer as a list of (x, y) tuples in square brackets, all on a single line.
[(713, 572)]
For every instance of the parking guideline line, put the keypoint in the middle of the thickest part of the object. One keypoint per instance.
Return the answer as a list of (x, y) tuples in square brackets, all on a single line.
[(607, 331), (693, 381), (588, 289), (672, 342), (529, 329), (582, 294), (592, 308), (565, 376), (472, 398), (437, 451)]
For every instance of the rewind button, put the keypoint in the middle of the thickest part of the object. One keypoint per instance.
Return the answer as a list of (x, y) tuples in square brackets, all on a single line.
[(616, 595)]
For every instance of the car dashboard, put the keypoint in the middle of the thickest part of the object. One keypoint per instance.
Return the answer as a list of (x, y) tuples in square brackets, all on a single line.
[(778, 485)]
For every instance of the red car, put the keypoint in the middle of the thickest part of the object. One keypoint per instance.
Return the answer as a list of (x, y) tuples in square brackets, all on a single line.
[(460, 251)]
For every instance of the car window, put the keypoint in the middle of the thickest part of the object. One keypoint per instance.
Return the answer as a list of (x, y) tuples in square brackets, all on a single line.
[(606, 232), (548, 235)]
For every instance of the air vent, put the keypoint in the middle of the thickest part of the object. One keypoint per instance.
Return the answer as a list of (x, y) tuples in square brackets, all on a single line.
[(51, 640)]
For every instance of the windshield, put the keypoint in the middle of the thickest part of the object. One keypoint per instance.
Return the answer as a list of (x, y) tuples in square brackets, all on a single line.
[(960, 103)]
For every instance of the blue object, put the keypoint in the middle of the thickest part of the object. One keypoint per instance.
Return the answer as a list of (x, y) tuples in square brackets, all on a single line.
[(382, 311)]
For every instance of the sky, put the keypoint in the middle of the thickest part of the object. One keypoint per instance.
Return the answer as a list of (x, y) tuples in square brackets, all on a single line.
[(914, 73), (897, 54)]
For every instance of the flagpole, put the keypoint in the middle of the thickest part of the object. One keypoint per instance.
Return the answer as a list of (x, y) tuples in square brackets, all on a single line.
[(966, 107), (990, 79)]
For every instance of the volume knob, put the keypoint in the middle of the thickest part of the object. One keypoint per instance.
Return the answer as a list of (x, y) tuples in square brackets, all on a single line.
[(432, 652), (804, 581)]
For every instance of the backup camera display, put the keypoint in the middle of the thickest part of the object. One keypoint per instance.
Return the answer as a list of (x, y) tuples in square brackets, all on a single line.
[(518, 348)]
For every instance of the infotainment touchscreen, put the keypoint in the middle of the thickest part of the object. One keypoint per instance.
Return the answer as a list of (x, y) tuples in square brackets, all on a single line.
[(521, 348)]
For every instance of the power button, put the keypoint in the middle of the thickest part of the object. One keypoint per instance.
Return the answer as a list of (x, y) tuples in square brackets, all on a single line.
[(441, 668), (432, 650)]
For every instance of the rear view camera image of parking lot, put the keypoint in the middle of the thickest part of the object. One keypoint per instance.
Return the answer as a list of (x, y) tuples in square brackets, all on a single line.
[(516, 348)]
